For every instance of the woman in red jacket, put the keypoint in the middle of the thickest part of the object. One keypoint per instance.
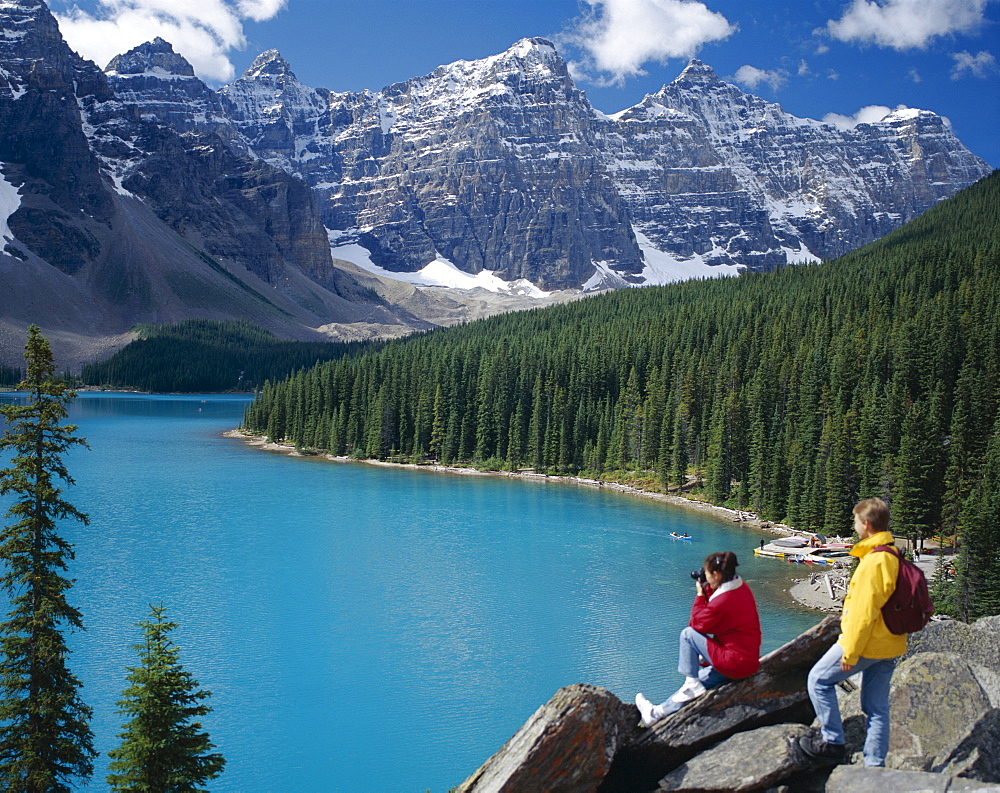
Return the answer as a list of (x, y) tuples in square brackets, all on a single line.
[(724, 633)]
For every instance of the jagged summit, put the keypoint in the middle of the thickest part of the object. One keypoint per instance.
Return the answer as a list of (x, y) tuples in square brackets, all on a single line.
[(269, 64), (155, 55), (697, 73), (533, 47)]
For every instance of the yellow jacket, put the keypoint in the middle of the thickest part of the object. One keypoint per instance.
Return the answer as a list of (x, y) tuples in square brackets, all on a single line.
[(863, 631)]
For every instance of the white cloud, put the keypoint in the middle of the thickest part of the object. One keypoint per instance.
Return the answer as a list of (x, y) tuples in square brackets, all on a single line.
[(619, 36), (804, 70), (981, 65), (752, 77), (203, 31), (914, 75), (905, 24), (866, 115)]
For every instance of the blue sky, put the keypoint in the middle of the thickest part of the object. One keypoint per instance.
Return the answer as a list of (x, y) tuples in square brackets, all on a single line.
[(823, 59)]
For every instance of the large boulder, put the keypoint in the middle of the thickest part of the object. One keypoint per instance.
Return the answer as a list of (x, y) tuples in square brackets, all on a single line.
[(775, 695), (748, 761), (978, 644), (859, 779), (977, 755), (565, 747), (934, 702)]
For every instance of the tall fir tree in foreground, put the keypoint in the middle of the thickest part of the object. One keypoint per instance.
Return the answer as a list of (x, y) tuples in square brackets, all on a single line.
[(45, 738), (163, 747)]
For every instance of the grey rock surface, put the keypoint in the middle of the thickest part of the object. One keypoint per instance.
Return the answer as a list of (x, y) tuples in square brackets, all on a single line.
[(565, 747), (935, 700), (977, 755), (774, 695), (748, 761), (858, 779), (978, 644)]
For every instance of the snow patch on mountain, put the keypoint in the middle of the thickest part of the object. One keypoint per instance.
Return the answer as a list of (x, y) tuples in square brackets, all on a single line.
[(438, 273), (10, 202), (664, 268)]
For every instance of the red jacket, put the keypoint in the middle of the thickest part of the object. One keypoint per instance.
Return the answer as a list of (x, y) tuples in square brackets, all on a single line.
[(730, 620)]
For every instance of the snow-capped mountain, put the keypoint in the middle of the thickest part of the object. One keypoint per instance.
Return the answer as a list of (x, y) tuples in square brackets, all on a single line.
[(139, 193), (712, 172), (502, 165), (110, 218)]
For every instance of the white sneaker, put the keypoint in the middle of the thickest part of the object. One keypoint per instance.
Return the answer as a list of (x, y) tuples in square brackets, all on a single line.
[(692, 689), (645, 710)]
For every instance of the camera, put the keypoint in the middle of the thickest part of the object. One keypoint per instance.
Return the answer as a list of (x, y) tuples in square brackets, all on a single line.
[(699, 575)]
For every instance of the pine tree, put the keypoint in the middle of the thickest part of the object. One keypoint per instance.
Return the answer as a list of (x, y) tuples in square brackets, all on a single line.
[(163, 748), (45, 739)]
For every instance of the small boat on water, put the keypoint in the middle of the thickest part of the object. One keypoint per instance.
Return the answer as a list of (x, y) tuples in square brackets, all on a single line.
[(675, 536)]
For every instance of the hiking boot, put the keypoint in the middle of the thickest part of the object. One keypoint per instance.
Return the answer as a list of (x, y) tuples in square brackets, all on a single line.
[(821, 751), (645, 710), (692, 689)]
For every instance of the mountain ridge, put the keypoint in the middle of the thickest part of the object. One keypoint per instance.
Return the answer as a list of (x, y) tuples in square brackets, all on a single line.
[(318, 213)]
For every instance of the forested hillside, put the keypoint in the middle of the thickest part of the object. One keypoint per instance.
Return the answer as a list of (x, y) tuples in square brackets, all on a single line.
[(792, 393), (209, 355)]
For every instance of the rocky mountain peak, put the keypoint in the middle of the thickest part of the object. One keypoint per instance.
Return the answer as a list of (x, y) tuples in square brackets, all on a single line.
[(152, 56), (269, 64), (697, 73)]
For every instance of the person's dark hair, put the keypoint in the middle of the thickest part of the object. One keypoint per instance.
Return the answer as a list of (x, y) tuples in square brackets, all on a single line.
[(723, 562)]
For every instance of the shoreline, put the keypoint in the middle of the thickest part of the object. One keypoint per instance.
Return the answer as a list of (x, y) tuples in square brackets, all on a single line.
[(800, 589)]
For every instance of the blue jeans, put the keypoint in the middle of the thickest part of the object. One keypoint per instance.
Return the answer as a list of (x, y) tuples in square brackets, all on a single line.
[(876, 675), (693, 647)]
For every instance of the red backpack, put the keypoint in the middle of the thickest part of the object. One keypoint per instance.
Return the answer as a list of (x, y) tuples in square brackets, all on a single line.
[(909, 607)]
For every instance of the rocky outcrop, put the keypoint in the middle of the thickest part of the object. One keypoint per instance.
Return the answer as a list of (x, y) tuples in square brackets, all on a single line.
[(743, 736), (978, 644), (775, 694), (567, 745), (935, 697), (858, 779), (977, 755), (753, 760)]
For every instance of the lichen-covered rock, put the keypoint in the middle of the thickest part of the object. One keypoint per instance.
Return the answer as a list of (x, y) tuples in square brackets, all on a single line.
[(935, 701), (748, 761), (565, 747), (978, 644), (977, 755)]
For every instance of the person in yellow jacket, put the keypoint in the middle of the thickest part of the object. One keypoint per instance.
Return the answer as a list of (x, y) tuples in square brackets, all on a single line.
[(865, 645)]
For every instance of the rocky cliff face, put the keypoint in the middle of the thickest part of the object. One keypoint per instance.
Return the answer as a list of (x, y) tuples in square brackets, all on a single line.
[(501, 164), (114, 214), (713, 172), (140, 194), (491, 164)]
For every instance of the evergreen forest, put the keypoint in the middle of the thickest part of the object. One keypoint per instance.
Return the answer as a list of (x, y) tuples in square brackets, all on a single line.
[(203, 355), (792, 393)]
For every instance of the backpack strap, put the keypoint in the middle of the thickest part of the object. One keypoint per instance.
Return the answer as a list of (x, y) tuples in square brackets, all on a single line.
[(890, 548)]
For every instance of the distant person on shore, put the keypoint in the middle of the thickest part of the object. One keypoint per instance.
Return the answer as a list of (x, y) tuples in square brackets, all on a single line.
[(865, 645), (722, 640)]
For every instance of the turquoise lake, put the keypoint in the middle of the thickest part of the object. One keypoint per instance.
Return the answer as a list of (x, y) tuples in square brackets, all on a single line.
[(364, 628)]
